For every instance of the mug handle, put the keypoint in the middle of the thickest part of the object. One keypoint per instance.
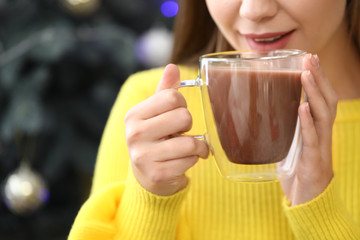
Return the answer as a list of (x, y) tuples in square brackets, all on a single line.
[(191, 83)]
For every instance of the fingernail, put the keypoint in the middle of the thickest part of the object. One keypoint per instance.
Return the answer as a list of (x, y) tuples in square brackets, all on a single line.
[(310, 77), (315, 60)]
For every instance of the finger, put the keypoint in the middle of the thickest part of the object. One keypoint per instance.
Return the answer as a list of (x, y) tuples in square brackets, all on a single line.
[(169, 123), (312, 63), (168, 150), (186, 146), (170, 78), (178, 147), (314, 169), (319, 108), (158, 103), (308, 132)]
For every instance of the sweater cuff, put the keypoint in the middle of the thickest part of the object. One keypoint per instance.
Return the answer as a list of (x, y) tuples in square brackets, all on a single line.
[(144, 215), (323, 218)]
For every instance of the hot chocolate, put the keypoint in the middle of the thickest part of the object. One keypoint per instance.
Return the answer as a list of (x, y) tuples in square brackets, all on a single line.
[(255, 112)]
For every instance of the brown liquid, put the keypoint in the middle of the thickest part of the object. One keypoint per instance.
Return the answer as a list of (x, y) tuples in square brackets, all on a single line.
[(255, 113)]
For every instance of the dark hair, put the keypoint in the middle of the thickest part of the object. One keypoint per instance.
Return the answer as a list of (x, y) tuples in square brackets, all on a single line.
[(195, 33), (353, 14)]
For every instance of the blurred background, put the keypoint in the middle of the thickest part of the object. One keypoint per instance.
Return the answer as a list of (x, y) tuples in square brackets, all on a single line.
[(62, 63)]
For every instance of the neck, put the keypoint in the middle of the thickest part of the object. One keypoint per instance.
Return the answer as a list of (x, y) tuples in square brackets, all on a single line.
[(341, 62)]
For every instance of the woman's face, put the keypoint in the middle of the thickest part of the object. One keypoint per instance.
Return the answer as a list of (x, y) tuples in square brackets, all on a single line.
[(274, 24)]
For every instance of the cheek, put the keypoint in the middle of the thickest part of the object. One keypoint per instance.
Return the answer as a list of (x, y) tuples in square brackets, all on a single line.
[(318, 20), (310, 11), (223, 12)]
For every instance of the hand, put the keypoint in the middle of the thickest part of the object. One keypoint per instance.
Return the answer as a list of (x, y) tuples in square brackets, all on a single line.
[(159, 155), (314, 170)]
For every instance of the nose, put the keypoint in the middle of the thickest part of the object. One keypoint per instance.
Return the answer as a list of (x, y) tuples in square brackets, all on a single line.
[(257, 10)]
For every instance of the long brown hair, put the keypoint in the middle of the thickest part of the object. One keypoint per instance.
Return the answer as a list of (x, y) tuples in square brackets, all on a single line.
[(195, 33), (353, 14)]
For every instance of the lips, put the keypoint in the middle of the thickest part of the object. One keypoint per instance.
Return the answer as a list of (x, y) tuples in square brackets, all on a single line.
[(268, 41)]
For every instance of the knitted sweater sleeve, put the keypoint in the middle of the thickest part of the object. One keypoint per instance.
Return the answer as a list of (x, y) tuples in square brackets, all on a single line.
[(119, 207), (323, 218), (128, 212)]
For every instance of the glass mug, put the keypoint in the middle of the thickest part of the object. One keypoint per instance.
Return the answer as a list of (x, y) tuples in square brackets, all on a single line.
[(250, 102)]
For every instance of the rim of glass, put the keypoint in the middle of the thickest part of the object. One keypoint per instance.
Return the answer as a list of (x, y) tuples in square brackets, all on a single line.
[(235, 55)]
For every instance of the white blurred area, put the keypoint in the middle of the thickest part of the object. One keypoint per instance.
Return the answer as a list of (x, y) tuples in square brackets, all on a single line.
[(153, 47)]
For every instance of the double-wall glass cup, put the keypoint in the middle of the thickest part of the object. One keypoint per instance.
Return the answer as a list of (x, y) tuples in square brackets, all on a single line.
[(250, 102)]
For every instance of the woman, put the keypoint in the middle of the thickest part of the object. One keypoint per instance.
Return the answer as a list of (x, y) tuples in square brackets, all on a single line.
[(148, 185)]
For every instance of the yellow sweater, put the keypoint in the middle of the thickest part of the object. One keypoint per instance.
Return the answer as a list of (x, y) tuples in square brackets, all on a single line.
[(212, 207)]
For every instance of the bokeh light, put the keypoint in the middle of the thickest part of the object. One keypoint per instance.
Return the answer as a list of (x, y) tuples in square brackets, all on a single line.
[(44, 195), (169, 8)]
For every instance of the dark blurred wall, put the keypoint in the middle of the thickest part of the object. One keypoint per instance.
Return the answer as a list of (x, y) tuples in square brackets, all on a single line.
[(62, 63)]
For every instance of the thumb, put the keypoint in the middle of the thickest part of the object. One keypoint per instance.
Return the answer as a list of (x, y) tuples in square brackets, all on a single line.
[(170, 78)]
